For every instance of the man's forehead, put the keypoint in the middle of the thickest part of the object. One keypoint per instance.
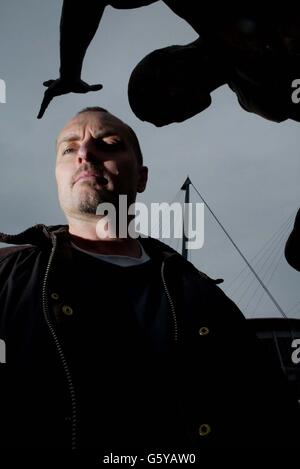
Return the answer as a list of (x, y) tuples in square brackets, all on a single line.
[(102, 122)]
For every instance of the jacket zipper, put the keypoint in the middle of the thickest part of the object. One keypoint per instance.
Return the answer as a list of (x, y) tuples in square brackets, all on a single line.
[(171, 303), (60, 349)]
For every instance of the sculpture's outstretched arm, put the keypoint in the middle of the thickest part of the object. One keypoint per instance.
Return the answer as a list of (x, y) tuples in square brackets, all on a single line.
[(78, 25)]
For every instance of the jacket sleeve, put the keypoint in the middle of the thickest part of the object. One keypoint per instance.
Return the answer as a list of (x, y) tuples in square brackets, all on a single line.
[(274, 401), (250, 397), (16, 265)]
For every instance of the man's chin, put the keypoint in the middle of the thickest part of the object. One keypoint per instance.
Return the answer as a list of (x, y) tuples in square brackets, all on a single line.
[(90, 195), (88, 205)]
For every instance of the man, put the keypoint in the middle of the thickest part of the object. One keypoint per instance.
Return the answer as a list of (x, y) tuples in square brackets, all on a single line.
[(255, 52), (119, 343)]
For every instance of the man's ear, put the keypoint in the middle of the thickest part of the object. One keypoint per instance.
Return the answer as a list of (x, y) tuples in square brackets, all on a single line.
[(142, 179)]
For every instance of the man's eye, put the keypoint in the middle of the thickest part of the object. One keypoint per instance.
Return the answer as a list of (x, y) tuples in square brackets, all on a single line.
[(67, 150), (109, 145)]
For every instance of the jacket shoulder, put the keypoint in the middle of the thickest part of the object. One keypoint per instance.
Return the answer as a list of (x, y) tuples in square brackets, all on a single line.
[(204, 276), (8, 252), (204, 291), (189, 269), (11, 249)]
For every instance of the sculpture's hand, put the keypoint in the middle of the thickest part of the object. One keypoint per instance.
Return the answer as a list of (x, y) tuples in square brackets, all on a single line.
[(63, 86)]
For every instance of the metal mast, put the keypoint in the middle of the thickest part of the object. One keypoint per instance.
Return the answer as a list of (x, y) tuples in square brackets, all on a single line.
[(185, 187)]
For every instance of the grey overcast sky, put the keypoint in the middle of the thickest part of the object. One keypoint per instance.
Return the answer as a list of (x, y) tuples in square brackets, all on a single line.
[(246, 167)]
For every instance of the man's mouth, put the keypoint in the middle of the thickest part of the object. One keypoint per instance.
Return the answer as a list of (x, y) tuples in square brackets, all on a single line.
[(86, 175)]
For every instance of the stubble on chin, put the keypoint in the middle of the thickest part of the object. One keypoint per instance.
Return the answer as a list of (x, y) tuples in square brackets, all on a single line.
[(88, 200)]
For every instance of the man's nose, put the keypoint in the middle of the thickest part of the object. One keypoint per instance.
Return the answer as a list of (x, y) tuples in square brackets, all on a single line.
[(86, 152)]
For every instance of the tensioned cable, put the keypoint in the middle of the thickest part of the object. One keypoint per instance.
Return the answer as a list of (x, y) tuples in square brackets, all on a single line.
[(241, 254), (269, 280), (293, 307), (262, 267), (276, 262), (274, 239), (258, 268)]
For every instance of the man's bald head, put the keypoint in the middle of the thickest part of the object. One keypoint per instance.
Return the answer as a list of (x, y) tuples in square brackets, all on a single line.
[(131, 133)]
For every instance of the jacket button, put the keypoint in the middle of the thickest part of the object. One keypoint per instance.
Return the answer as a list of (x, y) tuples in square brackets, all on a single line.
[(204, 429), (54, 296), (203, 331), (67, 310)]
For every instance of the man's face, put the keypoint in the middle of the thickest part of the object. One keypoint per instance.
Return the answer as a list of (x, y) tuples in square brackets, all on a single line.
[(96, 162)]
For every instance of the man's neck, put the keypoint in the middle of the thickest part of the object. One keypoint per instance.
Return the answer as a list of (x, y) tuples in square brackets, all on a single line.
[(83, 234), (117, 247), (85, 237)]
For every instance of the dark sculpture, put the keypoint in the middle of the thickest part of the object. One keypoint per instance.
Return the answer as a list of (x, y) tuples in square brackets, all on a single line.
[(257, 54), (292, 247)]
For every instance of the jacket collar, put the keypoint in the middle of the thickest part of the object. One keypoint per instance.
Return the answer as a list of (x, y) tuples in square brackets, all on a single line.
[(36, 235), (42, 235)]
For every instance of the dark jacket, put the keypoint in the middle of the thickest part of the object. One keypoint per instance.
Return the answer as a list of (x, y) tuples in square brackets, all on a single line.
[(223, 392)]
